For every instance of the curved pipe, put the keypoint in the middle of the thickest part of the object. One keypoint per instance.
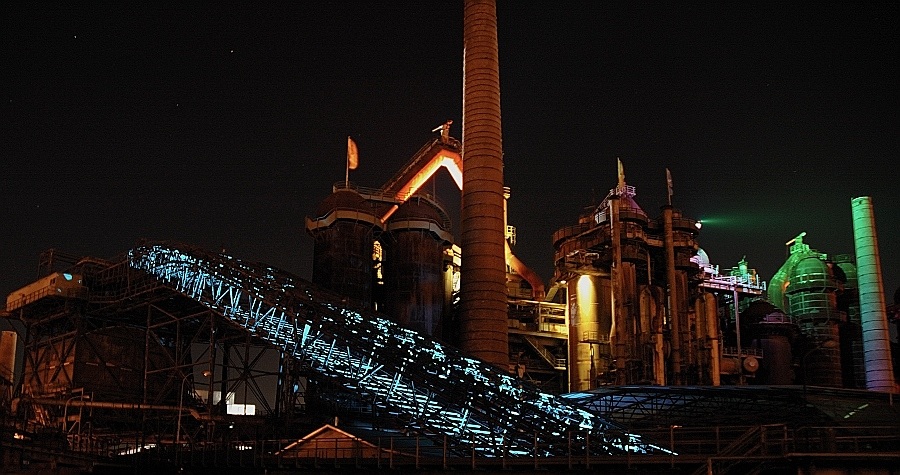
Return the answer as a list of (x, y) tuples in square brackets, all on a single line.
[(538, 291)]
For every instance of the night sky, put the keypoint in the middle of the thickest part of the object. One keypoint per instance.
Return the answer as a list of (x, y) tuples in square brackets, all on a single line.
[(224, 125)]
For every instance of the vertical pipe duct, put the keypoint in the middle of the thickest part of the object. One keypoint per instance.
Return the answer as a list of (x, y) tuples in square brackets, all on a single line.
[(711, 315), (483, 307), (617, 353), (876, 339), (674, 308)]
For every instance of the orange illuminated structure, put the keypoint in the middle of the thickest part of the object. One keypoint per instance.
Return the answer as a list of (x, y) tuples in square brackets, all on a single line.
[(442, 152), (391, 248)]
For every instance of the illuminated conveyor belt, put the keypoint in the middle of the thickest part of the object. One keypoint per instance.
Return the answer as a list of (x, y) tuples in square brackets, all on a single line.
[(433, 389)]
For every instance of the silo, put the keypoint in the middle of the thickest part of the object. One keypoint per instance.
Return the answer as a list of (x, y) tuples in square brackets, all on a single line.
[(343, 232), (414, 242)]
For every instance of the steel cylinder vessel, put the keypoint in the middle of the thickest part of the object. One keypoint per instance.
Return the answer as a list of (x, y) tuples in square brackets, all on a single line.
[(590, 321), (344, 234), (414, 242), (812, 302)]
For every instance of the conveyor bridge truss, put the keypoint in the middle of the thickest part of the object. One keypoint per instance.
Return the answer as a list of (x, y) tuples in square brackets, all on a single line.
[(433, 389)]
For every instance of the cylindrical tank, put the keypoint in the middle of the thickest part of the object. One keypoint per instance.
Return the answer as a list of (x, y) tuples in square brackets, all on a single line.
[(773, 332), (344, 234), (590, 319), (775, 367), (414, 243), (812, 303), (483, 307), (853, 358), (820, 360)]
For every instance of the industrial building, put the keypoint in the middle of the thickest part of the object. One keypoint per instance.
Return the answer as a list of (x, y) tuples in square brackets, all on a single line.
[(174, 355), (414, 348)]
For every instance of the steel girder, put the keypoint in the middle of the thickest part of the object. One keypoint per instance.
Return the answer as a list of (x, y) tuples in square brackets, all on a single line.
[(433, 389)]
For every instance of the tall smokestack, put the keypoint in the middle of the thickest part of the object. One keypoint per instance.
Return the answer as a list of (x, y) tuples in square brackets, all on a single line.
[(483, 308), (875, 334)]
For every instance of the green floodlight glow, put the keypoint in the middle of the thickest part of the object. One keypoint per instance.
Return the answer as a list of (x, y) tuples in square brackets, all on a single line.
[(736, 221)]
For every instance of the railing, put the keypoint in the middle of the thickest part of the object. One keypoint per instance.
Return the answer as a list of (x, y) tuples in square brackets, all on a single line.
[(387, 197), (548, 357), (79, 292), (715, 450), (732, 351), (594, 337), (366, 191), (749, 281)]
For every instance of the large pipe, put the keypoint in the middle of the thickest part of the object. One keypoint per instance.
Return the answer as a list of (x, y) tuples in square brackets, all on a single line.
[(617, 329), (674, 308), (711, 315), (875, 333), (483, 307), (538, 291)]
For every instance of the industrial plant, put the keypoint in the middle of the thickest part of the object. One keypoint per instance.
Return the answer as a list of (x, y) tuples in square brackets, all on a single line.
[(414, 348)]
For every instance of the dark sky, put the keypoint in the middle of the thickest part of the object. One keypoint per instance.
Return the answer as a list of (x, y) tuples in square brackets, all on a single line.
[(224, 125)]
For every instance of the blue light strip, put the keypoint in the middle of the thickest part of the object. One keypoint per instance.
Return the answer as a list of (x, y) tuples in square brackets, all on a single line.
[(435, 389)]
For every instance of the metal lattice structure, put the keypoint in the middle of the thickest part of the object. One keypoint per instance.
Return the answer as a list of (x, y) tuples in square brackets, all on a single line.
[(646, 407), (433, 389)]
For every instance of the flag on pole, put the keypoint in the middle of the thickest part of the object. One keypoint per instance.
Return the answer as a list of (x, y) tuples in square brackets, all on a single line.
[(621, 173), (669, 184), (352, 154)]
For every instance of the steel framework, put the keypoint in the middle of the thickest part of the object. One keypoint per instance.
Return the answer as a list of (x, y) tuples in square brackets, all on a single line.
[(130, 354), (433, 389)]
